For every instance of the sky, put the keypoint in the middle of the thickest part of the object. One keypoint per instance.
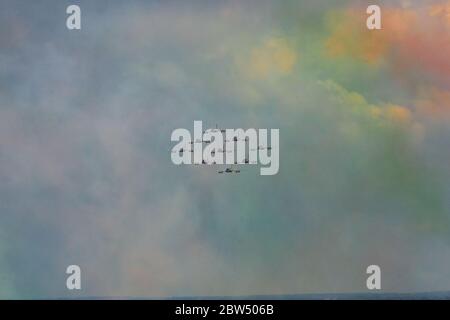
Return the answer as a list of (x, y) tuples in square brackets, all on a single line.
[(86, 176)]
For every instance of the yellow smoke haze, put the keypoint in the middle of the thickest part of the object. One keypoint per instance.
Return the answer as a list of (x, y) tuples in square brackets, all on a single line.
[(440, 10), (274, 57)]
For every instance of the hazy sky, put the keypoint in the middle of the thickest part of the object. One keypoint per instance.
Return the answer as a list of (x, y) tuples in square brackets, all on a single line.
[(86, 176)]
